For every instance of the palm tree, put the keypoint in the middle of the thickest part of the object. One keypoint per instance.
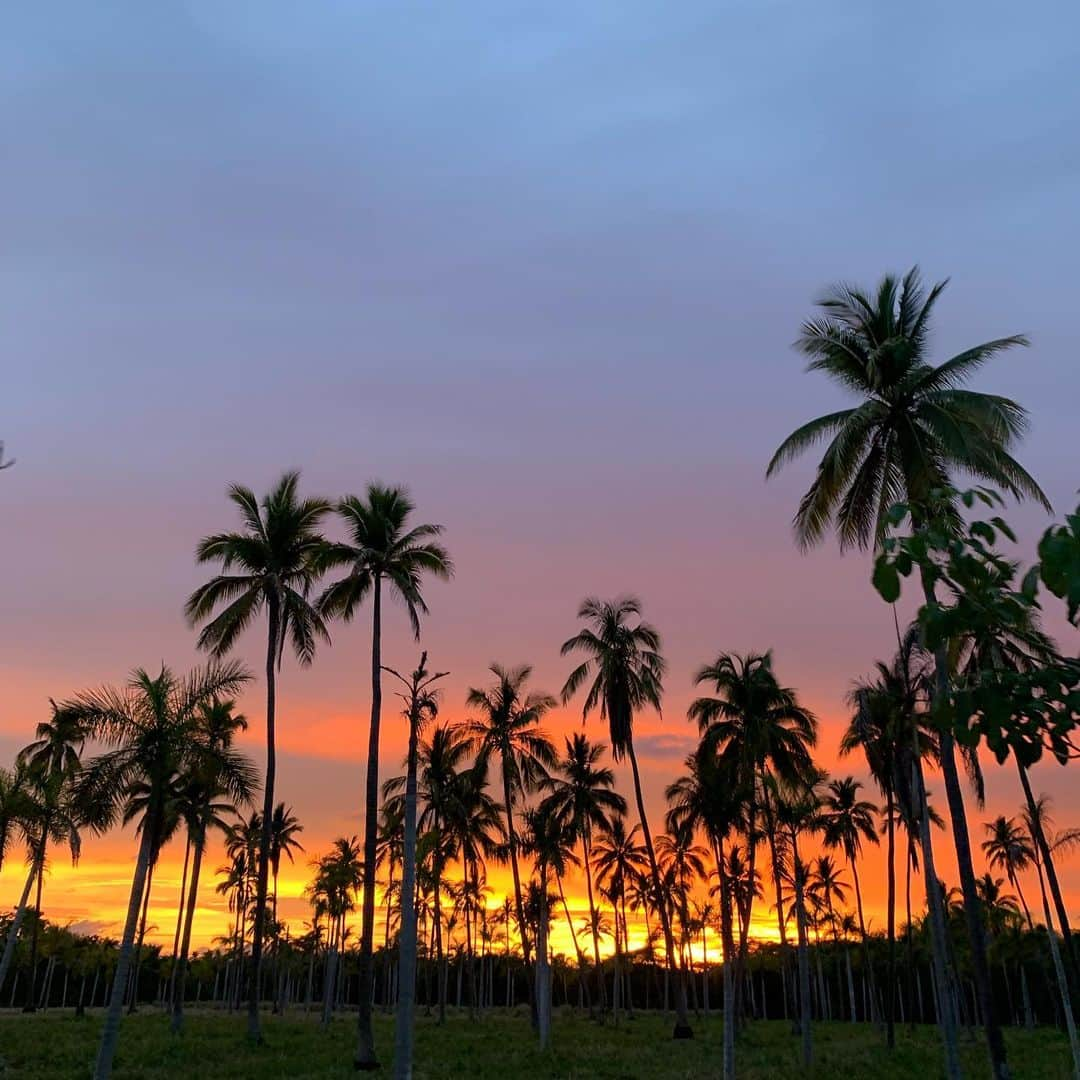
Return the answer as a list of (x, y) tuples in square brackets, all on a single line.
[(847, 821), (217, 780), (276, 557), (620, 858), (758, 729), (285, 829), (150, 731), (421, 698), (830, 890), (625, 671), (509, 726), (381, 550), (1007, 848), (913, 430), (584, 800), (50, 767), (547, 841)]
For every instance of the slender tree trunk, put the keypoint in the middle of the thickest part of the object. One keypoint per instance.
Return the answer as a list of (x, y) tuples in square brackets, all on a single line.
[(946, 1012), (973, 909), (727, 939), (134, 1003), (180, 967), (890, 1016), (573, 937), (799, 872), (1051, 873), (403, 1028), (180, 908), (682, 1020), (868, 971), (30, 1006), (1062, 981), (365, 1059), (111, 1031), (254, 1026), (16, 923), (543, 970), (585, 845)]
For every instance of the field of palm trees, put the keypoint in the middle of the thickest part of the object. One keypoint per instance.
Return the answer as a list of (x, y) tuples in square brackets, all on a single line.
[(978, 979)]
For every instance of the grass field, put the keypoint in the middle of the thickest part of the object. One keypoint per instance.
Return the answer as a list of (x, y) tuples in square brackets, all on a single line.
[(496, 1048)]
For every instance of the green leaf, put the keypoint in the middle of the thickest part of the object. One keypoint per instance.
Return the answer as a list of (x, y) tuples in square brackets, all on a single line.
[(886, 581)]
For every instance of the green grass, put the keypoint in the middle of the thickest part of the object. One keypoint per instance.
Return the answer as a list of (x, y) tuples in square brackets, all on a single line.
[(499, 1046)]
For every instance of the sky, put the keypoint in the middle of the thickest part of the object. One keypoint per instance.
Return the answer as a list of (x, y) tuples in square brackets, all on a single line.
[(541, 263)]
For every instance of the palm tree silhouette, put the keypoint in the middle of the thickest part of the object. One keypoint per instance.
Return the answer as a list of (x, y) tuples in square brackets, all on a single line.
[(757, 729), (151, 732), (215, 783), (508, 725), (914, 429), (625, 671), (277, 559), (381, 550), (48, 807), (584, 800), (1008, 848)]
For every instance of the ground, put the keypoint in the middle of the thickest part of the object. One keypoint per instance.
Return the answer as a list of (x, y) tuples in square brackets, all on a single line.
[(498, 1047)]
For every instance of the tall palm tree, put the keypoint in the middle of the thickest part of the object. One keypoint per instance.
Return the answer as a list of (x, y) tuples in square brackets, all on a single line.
[(421, 698), (708, 798), (583, 798), (758, 729), (508, 725), (914, 429), (1008, 848), (272, 566), (217, 781), (50, 766), (848, 821), (150, 730), (382, 550), (625, 671), (548, 842)]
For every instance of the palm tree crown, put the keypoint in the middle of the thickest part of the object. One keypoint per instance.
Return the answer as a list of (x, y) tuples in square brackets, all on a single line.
[(916, 425)]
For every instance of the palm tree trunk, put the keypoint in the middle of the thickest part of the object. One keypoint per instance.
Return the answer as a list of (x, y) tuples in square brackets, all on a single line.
[(573, 937), (868, 971), (13, 931), (440, 949), (180, 967), (781, 922), (804, 957), (1015, 880), (254, 1027), (890, 824), (1051, 873), (30, 1005), (134, 1003), (972, 907), (365, 1059), (111, 1031), (543, 972), (1062, 981), (727, 938), (682, 1020), (939, 941), (180, 910), (403, 1025), (592, 922)]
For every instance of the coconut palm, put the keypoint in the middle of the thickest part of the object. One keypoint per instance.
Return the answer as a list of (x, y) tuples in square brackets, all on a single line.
[(624, 672), (508, 725), (758, 729), (583, 798), (382, 550), (914, 430), (150, 731), (1008, 848), (217, 781), (421, 699), (272, 567), (54, 812), (551, 847), (848, 821)]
